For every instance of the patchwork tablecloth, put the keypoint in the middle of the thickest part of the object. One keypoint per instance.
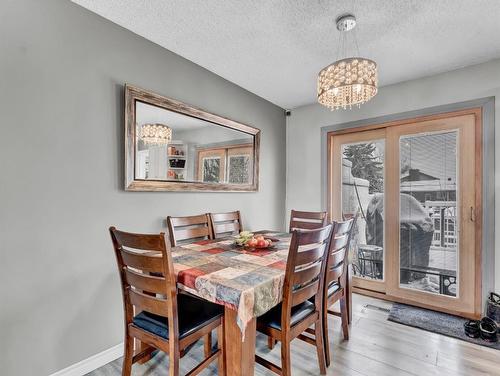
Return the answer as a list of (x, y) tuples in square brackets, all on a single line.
[(250, 282)]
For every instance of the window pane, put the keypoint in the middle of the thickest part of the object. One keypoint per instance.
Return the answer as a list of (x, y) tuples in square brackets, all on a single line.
[(363, 198), (211, 170), (428, 212), (239, 169)]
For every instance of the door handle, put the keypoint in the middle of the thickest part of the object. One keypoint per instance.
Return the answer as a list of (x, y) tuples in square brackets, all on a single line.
[(472, 214)]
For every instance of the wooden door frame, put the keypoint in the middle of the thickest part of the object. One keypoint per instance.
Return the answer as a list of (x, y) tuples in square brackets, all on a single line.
[(477, 112)]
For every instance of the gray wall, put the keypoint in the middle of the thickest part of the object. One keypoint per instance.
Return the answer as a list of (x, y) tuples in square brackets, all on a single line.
[(304, 184), (62, 71)]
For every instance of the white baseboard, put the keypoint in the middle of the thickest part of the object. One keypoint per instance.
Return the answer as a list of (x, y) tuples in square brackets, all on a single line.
[(92, 363)]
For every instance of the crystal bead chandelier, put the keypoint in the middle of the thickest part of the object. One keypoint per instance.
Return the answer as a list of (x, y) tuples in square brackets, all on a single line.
[(350, 81), (155, 134)]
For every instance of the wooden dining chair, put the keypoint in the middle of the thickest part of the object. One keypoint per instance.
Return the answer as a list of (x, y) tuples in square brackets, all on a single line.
[(335, 280), (155, 313), (189, 229), (225, 224), (302, 298), (307, 220), (303, 220)]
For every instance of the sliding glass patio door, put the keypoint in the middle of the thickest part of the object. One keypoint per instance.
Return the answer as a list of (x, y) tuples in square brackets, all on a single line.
[(359, 181), (414, 189)]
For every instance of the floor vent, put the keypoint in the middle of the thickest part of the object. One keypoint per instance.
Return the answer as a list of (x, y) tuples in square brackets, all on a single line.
[(376, 308)]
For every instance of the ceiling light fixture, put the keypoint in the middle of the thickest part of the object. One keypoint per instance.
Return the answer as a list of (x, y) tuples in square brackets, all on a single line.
[(348, 81), (155, 134)]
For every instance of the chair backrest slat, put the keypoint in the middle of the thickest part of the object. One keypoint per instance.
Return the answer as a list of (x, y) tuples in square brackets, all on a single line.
[(307, 225), (225, 224), (148, 303), (189, 229), (230, 216), (226, 228), (147, 242), (305, 270), (307, 220), (191, 233), (149, 283), (345, 227), (144, 262), (189, 220), (337, 258), (305, 293), (310, 255), (312, 237), (307, 274), (335, 273)]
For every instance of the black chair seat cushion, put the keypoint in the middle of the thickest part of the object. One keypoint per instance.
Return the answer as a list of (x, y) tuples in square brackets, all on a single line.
[(194, 314), (272, 318)]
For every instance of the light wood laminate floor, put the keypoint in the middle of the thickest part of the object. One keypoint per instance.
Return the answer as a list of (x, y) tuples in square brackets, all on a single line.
[(377, 347)]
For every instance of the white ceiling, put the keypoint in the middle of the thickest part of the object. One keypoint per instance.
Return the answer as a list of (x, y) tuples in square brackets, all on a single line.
[(275, 48)]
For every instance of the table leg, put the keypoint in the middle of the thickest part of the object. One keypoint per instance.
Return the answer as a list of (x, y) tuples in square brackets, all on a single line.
[(240, 355)]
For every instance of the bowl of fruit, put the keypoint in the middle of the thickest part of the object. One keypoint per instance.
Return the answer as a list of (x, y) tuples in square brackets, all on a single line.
[(249, 240)]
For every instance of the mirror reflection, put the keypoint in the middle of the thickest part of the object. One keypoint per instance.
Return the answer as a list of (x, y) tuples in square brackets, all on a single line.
[(175, 147)]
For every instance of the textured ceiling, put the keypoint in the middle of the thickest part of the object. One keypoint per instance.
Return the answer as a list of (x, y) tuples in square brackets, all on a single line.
[(275, 48)]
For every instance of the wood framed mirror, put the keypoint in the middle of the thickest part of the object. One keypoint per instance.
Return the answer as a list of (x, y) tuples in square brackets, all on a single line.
[(172, 146)]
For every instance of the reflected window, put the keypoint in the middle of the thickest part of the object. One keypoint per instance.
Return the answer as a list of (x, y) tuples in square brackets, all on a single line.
[(211, 170), (239, 169)]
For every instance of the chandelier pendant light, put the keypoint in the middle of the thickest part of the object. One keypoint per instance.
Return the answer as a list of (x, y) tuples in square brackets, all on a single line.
[(155, 134), (348, 81)]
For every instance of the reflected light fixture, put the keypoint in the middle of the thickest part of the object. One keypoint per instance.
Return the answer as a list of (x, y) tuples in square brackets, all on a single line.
[(348, 81), (155, 134)]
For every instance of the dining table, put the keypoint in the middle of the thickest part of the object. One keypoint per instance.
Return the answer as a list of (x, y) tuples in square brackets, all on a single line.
[(247, 282)]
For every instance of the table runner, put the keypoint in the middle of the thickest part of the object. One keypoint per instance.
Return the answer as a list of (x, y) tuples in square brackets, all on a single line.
[(250, 282)]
